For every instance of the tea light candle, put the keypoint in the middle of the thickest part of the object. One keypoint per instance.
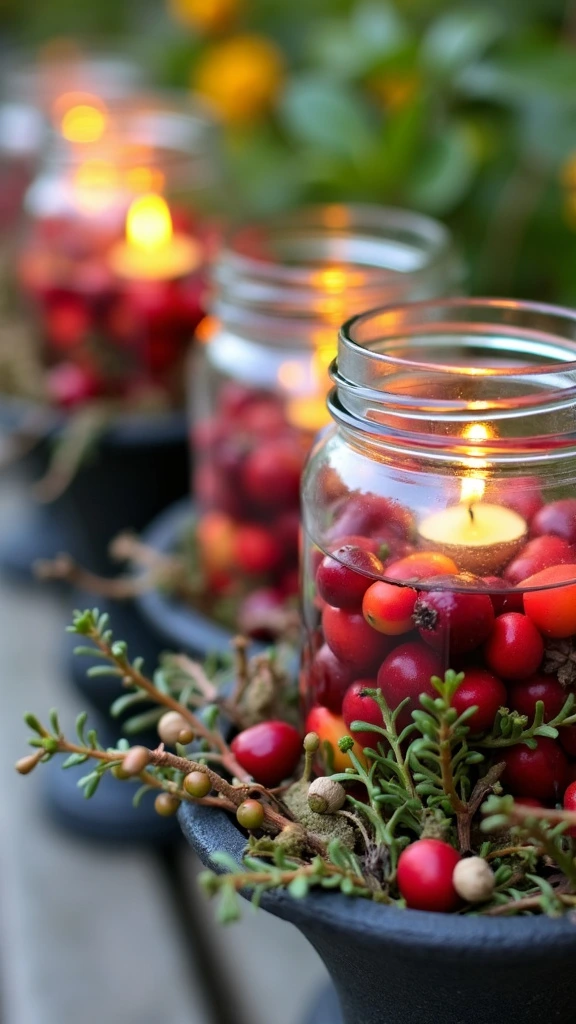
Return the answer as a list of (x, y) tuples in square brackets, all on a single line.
[(479, 536), (152, 251)]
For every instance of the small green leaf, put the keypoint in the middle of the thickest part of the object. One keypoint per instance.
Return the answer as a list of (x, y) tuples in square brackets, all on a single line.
[(81, 725), (224, 860), (33, 723), (139, 794), (299, 887), (139, 723), (74, 759), (126, 701), (228, 906), (460, 36), (326, 113)]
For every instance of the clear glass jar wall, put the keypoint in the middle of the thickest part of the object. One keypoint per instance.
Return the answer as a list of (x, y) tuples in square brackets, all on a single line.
[(260, 383), (440, 526), (113, 259), (46, 91)]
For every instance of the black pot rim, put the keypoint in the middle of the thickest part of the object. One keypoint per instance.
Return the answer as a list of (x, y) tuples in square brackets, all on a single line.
[(128, 430), (209, 831), (180, 624)]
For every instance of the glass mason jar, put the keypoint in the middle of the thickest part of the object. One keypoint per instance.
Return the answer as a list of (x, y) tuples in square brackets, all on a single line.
[(113, 260), (439, 516), (259, 389), (51, 90)]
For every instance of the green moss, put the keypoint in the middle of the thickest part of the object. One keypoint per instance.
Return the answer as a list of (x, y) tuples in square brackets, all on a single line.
[(323, 826)]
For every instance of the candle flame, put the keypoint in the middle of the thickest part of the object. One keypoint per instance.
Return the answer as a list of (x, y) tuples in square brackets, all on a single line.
[(473, 487), (149, 224)]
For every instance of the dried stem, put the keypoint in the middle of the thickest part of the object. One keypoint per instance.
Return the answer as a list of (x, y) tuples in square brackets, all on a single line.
[(134, 677), (230, 797)]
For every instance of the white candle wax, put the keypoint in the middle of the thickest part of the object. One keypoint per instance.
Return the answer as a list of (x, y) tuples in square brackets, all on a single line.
[(481, 538)]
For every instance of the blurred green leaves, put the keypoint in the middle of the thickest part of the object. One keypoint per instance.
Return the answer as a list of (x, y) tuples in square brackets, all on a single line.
[(466, 111), (320, 111)]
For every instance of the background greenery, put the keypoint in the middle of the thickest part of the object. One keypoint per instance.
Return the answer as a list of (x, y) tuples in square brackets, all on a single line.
[(463, 111)]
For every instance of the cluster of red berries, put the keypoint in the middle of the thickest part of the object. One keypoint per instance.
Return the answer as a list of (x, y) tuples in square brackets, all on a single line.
[(249, 460), (101, 336), (391, 616)]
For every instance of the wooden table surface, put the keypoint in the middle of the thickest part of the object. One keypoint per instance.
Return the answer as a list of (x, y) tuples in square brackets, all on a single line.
[(88, 935)]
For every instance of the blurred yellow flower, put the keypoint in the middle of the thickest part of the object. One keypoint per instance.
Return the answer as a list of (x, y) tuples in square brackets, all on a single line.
[(395, 89), (206, 16), (240, 76)]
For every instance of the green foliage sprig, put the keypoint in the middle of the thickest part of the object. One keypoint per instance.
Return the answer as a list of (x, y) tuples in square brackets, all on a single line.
[(426, 779)]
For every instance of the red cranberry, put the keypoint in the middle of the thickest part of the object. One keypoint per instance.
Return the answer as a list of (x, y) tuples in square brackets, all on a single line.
[(425, 872), (330, 679), (503, 599), (269, 751), (290, 583), (260, 614), (569, 804), (524, 694), (257, 551), (520, 493), (353, 641), (567, 736), (539, 773), (371, 514), (287, 531), (234, 397), (406, 672), (515, 648), (454, 621), (540, 553), (70, 385), (484, 690), (356, 540), (263, 418), (344, 577), (558, 518), (67, 323), (360, 708), (272, 474)]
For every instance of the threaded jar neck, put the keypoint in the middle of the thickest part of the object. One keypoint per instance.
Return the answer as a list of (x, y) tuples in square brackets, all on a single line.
[(284, 279), (446, 376)]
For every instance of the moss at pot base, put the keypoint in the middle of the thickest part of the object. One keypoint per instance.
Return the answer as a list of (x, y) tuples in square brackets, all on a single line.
[(393, 966)]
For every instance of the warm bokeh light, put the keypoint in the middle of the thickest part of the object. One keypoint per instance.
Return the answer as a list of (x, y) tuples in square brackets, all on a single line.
[(149, 223), (82, 117), (292, 375), (472, 487), (307, 412), (144, 179), (95, 184), (206, 329)]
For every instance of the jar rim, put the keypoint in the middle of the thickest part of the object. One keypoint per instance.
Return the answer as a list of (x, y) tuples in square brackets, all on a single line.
[(511, 368), (327, 223), (426, 318)]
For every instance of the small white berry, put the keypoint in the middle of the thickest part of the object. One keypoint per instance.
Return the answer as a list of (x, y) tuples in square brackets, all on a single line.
[(473, 879), (326, 796)]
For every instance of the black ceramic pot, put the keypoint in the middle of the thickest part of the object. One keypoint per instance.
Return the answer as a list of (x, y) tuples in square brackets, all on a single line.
[(139, 466), (392, 966), (179, 626)]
